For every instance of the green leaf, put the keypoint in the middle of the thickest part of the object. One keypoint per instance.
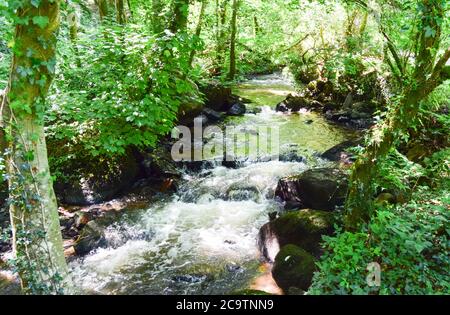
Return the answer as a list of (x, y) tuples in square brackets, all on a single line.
[(429, 32), (35, 3), (41, 21)]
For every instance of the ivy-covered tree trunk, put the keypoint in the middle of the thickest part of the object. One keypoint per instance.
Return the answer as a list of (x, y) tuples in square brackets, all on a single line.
[(180, 10), (37, 240), (427, 75), (232, 70), (73, 32)]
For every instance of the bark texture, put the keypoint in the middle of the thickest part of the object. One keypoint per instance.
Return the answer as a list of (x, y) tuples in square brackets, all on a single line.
[(33, 211)]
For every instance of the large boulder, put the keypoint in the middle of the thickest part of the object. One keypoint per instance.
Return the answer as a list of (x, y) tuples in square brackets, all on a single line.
[(188, 111), (91, 237), (293, 103), (213, 116), (320, 189), (88, 181), (217, 96), (303, 228), (293, 268)]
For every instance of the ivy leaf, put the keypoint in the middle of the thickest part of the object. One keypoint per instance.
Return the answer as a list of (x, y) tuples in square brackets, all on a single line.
[(41, 21), (35, 3), (29, 52), (429, 32)]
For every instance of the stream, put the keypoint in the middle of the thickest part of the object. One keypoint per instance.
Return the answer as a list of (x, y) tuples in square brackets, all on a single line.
[(203, 239)]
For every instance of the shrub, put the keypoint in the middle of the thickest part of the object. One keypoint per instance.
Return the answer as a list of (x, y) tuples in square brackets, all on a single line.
[(410, 242)]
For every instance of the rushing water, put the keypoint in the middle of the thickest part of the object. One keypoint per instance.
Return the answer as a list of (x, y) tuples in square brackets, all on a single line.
[(203, 239)]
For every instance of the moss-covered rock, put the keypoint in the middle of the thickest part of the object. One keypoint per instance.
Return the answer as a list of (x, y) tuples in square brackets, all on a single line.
[(91, 237), (217, 96), (294, 103), (321, 189), (293, 267), (303, 228)]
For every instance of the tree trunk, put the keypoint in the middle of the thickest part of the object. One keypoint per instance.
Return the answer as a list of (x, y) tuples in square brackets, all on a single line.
[(232, 70), (73, 33), (157, 20), (221, 45), (256, 28), (426, 76), (37, 241), (180, 9), (102, 9), (198, 29), (130, 9), (120, 12)]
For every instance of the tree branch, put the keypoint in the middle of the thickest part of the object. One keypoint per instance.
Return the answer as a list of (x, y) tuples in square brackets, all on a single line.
[(440, 72), (390, 44), (393, 50), (440, 69), (297, 42)]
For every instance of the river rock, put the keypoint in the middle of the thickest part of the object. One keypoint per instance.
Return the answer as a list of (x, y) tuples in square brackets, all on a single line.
[(90, 181), (217, 96), (188, 111), (9, 284), (340, 151), (190, 278), (91, 237), (293, 104), (213, 115), (292, 156), (293, 267), (158, 162), (237, 109), (81, 218), (320, 189), (302, 227), (238, 192)]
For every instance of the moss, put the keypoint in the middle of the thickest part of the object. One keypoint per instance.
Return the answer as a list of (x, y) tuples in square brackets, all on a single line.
[(293, 267), (304, 228)]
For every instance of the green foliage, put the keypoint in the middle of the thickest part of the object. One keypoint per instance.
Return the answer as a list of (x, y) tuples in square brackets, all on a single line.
[(127, 91), (410, 242), (397, 173), (5, 53)]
